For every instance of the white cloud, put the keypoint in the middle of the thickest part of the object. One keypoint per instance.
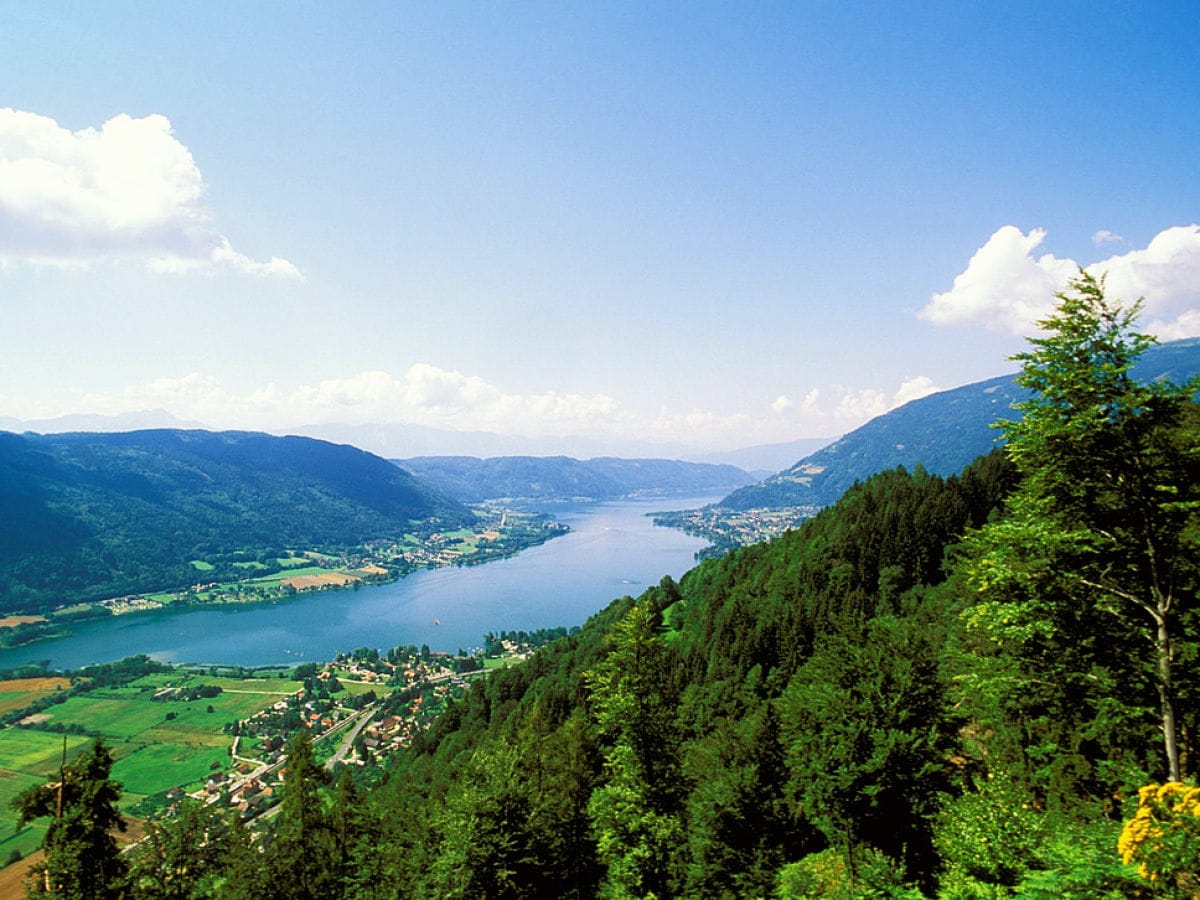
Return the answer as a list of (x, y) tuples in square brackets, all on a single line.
[(1104, 236), (1005, 288), (128, 190), (915, 389), (434, 397), (1166, 274), (1186, 325)]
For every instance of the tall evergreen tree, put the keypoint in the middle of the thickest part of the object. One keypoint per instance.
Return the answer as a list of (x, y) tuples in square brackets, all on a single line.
[(82, 860), (302, 856)]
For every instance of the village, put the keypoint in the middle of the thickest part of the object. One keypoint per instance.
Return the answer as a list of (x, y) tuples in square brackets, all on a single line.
[(728, 529), (360, 709)]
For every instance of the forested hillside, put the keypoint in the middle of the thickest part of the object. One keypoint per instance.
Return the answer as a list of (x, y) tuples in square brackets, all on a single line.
[(976, 686), (470, 479), (87, 516)]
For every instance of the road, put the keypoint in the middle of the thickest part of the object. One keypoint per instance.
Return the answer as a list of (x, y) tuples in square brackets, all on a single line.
[(364, 716)]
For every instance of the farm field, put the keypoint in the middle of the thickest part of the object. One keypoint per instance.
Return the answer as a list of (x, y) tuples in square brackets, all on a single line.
[(157, 744), (19, 693), (27, 758)]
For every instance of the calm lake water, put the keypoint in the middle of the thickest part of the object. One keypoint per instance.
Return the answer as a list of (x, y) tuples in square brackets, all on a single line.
[(612, 550)]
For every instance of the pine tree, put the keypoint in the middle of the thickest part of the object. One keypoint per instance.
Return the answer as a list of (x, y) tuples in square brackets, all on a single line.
[(302, 855), (82, 859)]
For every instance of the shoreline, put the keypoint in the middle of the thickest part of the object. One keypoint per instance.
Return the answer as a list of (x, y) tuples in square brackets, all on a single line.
[(37, 629)]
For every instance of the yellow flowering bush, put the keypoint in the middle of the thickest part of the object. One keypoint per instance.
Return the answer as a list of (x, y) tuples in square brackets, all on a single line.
[(1163, 837)]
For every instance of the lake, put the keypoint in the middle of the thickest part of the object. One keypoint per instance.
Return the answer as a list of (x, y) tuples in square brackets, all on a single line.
[(613, 549)]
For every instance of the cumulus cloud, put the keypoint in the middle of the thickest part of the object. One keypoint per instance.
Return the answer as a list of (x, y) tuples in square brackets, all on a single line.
[(423, 395), (782, 404), (1006, 288), (126, 190), (914, 389), (1104, 236), (1167, 275), (853, 407)]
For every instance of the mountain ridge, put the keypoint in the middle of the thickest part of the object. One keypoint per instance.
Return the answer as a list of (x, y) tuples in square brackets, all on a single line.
[(89, 515), (942, 433), (471, 479)]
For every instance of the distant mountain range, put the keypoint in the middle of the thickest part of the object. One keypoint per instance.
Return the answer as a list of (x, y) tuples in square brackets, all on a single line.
[(470, 479), (942, 432), (85, 516), (395, 439)]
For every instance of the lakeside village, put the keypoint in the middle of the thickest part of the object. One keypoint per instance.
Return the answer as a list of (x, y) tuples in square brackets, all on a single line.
[(359, 710), (728, 529), (278, 575)]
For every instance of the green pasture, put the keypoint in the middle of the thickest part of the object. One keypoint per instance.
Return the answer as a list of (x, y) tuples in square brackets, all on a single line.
[(354, 688), (201, 566), (267, 688), (28, 838), (36, 753), (115, 719), (122, 714), (14, 700), (160, 767), (276, 577)]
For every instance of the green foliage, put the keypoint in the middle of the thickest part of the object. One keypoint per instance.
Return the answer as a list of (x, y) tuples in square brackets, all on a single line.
[(1093, 564), (828, 875), (635, 812), (862, 720), (301, 858), (82, 860), (182, 857), (486, 848), (990, 834), (101, 515)]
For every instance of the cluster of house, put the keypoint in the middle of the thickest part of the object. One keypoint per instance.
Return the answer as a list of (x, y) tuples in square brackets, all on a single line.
[(742, 527), (288, 715), (398, 670), (121, 605), (249, 795)]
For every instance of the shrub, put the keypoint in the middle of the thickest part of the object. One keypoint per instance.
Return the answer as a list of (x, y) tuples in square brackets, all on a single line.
[(1163, 837)]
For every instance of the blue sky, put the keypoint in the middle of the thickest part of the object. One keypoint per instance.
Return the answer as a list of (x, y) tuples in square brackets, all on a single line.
[(713, 225)]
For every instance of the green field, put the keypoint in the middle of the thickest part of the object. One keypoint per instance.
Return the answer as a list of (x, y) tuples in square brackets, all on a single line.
[(158, 767), (152, 753), (293, 572), (36, 752), (27, 758), (355, 688)]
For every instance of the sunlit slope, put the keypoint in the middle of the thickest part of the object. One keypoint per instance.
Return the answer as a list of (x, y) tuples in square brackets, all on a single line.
[(83, 516), (942, 432)]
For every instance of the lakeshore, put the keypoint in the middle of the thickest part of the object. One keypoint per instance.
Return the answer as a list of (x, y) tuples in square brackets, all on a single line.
[(499, 533), (612, 549)]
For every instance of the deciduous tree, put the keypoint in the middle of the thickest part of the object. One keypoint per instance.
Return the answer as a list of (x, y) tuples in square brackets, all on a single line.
[(1100, 529)]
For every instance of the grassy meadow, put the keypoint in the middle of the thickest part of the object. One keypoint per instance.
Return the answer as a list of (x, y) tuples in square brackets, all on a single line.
[(157, 744)]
